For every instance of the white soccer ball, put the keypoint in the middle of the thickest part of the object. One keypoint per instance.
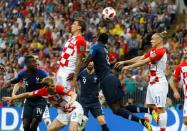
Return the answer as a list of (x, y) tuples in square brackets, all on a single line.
[(108, 13)]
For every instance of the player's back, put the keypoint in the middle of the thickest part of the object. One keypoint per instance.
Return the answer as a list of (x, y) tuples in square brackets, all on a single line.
[(100, 58), (89, 87)]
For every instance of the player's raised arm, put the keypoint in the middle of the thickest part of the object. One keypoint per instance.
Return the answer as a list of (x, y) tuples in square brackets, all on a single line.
[(128, 62), (16, 88), (15, 97)]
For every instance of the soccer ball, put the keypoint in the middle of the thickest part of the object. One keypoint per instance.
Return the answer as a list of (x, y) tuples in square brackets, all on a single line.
[(108, 13)]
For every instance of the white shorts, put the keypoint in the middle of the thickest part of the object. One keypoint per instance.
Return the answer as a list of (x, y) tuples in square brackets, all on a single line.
[(61, 77), (74, 116), (157, 94)]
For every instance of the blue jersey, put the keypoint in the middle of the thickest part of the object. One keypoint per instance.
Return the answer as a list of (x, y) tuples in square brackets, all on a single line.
[(99, 55), (32, 81), (89, 87)]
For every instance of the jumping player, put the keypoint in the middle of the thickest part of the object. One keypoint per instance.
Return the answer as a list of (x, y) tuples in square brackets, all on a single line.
[(72, 54)]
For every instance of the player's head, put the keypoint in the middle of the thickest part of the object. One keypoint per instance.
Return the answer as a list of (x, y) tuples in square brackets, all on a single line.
[(49, 83), (185, 52), (103, 38), (37, 59), (30, 62), (90, 66), (158, 39), (78, 26)]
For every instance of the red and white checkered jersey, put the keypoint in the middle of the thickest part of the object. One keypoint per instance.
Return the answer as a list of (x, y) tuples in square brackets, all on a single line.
[(75, 45), (180, 73), (157, 65), (59, 99)]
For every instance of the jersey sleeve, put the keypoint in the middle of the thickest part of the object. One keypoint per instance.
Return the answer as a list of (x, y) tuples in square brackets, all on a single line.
[(61, 90), (176, 73), (157, 55), (93, 50), (20, 75), (81, 46), (44, 73), (147, 54), (40, 92)]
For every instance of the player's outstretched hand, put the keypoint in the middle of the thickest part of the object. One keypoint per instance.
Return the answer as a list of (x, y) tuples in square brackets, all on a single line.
[(70, 77), (176, 95), (119, 65), (7, 99)]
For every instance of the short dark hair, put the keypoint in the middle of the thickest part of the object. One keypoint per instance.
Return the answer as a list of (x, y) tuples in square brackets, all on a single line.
[(27, 58), (103, 38), (82, 24)]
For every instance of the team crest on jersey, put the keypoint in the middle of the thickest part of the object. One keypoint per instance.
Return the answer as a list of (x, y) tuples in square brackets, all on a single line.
[(65, 90), (82, 48), (95, 79), (153, 54), (37, 79)]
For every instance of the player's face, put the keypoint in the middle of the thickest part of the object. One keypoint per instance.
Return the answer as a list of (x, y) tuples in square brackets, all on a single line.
[(51, 89), (75, 27), (90, 66), (155, 40), (32, 63), (185, 52)]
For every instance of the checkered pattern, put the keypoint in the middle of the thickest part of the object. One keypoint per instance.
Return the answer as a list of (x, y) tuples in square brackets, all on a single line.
[(74, 46), (180, 73), (68, 53), (157, 67)]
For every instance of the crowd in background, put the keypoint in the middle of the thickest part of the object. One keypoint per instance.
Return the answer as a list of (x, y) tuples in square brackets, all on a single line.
[(41, 27)]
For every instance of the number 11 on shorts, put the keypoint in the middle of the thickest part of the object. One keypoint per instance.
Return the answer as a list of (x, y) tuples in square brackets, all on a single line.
[(157, 100)]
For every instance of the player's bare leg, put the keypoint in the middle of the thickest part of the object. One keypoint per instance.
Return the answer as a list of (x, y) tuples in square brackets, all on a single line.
[(55, 125), (73, 126), (102, 122), (162, 117), (184, 125)]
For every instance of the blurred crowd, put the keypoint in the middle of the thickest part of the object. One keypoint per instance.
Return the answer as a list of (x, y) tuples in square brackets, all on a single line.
[(41, 27)]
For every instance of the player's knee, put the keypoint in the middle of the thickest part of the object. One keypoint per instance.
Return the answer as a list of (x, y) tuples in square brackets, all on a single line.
[(185, 120), (26, 124), (73, 127), (47, 121), (34, 124), (101, 120), (51, 128)]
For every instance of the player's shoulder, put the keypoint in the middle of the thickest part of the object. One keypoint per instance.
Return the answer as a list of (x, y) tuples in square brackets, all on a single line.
[(161, 51), (42, 71), (80, 38), (95, 46), (182, 64), (23, 71), (82, 72)]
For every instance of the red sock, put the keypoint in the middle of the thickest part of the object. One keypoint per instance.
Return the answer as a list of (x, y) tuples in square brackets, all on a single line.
[(162, 129)]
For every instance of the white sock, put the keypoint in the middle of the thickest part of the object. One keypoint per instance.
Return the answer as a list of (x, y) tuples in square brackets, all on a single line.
[(163, 120), (184, 127), (149, 116)]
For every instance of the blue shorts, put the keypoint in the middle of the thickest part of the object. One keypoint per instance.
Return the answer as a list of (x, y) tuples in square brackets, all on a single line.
[(111, 88), (34, 110), (95, 109)]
